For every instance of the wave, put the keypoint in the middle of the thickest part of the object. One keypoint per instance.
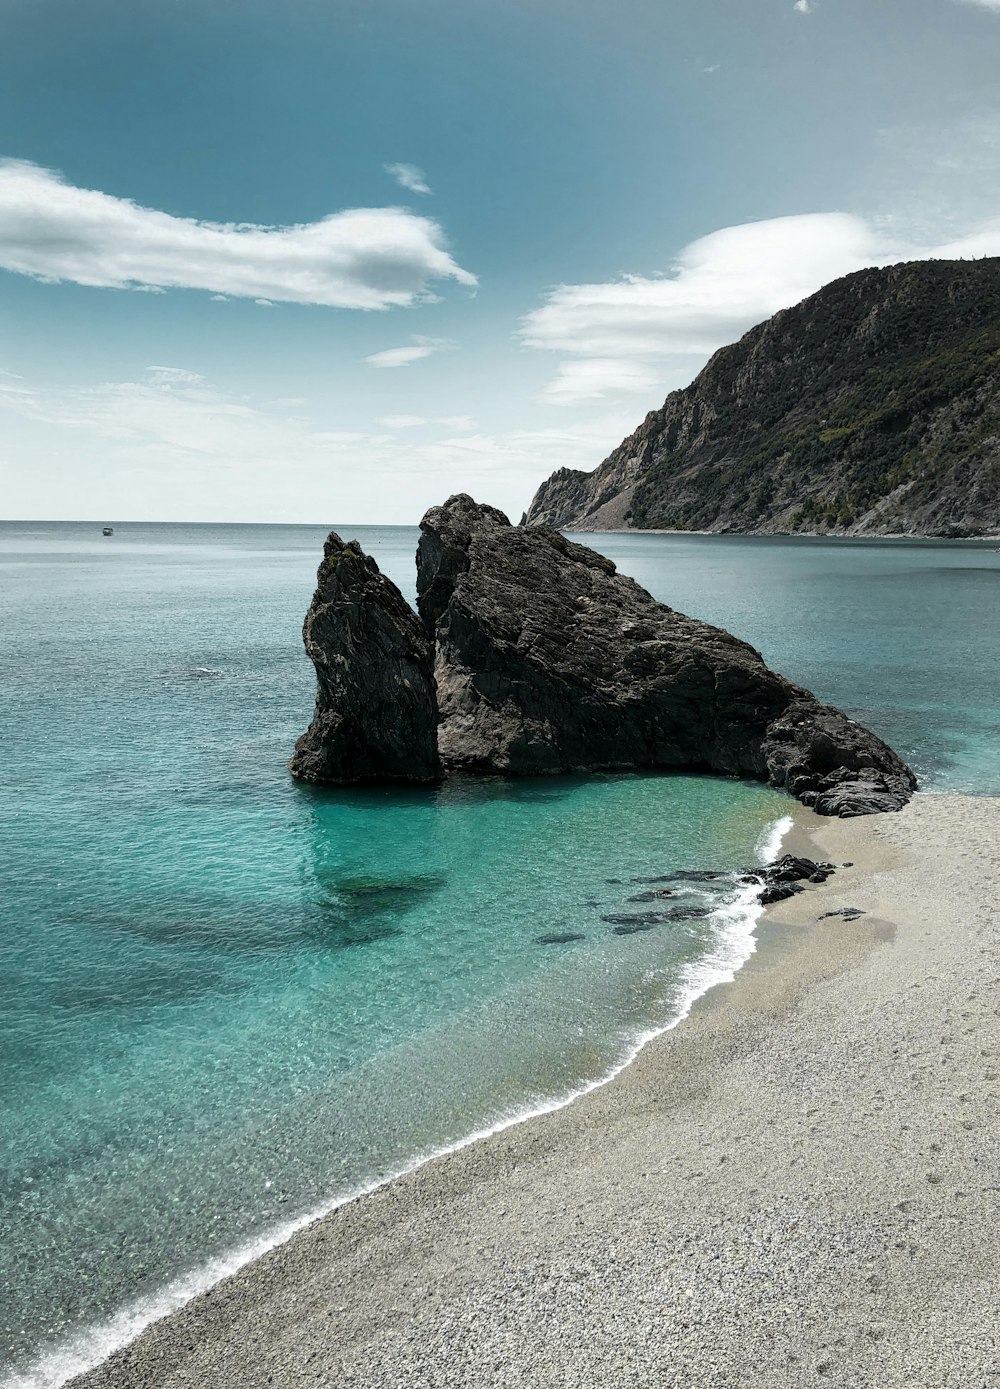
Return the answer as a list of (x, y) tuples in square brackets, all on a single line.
[(736, 922)]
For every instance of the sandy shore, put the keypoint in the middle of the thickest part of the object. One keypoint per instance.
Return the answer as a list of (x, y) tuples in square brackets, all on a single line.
[(798, 1186)]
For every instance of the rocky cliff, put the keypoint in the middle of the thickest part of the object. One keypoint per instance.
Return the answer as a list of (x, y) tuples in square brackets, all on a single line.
[(546, 660), (376, 706), (871, 408)]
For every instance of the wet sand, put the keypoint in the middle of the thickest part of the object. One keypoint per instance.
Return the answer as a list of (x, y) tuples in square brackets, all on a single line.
[(798, 1186)]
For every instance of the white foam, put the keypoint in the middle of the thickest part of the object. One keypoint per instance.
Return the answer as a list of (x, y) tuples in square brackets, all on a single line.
[(771, 839), (85, 1349)]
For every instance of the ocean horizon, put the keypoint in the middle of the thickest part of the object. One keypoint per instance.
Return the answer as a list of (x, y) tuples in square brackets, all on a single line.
[(233, 1001)]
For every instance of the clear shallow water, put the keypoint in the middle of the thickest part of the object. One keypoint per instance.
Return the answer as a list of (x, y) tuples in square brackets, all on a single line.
[(904, 635), (226, 999)]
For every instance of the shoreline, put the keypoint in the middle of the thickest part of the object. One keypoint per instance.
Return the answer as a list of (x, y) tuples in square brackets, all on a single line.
[(87, 1349), (785, 535), (378, 1282)]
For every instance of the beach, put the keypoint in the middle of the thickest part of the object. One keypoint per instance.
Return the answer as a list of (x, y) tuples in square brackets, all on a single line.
[(796, 1186)]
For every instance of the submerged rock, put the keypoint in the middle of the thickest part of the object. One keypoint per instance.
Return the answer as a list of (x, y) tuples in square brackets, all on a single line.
[(376, 712), (546, 660), (656, 918)]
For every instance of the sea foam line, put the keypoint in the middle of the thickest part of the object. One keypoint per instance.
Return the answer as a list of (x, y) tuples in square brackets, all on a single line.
[(87, 1348)]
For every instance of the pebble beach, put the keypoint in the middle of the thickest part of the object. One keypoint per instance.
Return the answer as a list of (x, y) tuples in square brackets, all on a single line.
[(797, 1186)]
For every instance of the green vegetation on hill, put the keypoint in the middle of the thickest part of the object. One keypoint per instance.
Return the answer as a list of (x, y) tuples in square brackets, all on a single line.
[(872, 407)]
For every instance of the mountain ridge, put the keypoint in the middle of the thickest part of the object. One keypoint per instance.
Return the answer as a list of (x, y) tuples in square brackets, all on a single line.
[(870, 408)]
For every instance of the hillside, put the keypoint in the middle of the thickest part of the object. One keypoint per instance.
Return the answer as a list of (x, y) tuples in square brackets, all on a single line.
[(871, 408)]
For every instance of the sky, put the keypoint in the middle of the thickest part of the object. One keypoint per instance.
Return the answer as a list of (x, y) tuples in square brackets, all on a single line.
[(329, 261)]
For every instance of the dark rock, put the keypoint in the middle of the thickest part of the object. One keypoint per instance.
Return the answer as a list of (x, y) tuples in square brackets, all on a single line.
[(559, 938), (636, 918), (791, 869), (652, 896), (777, 892), (689, 875), (848, 913), (785, 877), (848, 865), (549, 661), (833, 764), (376, 712), (632, 930), (656, 918), (536, 657)]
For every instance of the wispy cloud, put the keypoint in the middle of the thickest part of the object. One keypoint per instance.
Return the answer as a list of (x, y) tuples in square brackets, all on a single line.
[(172, 445), (984, 4), (627, 334), (598, 378), (364, 258), (408, 176), (804, 6), (11, 384), (406, 356), (462, 422), (173, 376)]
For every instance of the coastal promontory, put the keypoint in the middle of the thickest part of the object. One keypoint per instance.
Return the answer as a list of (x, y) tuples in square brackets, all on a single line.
[(871, 408), (546, 660)]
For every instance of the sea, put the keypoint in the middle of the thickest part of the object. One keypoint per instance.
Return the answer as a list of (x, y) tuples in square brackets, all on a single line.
[(229, 1002)]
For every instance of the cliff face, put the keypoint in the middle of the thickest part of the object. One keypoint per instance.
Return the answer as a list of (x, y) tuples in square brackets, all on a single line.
[(546, 660), (871, 408)]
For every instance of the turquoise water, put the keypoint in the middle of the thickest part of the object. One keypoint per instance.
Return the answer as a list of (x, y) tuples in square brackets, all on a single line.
[(227, 999), (905, 635)]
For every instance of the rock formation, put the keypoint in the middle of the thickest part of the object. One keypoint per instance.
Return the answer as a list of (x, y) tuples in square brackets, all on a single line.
[(547, 660), (376, 711), (871, 408)]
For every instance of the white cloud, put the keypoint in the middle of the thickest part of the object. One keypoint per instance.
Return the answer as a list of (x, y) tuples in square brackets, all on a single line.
[(172, 446), (405, 356), (984, 4), (408, 176), (173, 376), (595, 378), (619, 335), (398, 356), (714, 67), (364, 258), (461, 422), (12, 384), (804, 6)]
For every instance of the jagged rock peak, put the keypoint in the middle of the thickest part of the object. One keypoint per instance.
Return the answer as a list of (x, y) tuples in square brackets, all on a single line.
[(376, 710), (443, 553)]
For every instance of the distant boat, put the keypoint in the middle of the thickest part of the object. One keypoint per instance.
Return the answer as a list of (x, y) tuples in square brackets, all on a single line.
[(108, 530)]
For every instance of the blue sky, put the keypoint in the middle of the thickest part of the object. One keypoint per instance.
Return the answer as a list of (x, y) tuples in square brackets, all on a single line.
[(329, 261)]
